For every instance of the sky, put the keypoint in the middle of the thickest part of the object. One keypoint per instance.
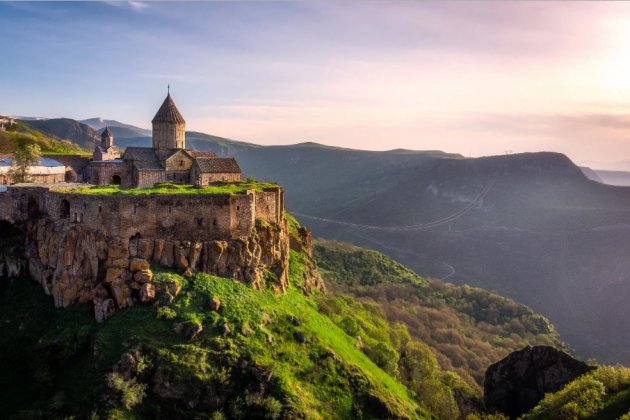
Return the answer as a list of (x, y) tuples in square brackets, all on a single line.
[(476, 78)]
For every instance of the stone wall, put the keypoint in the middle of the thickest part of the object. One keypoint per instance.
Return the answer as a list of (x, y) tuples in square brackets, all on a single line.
[(89, 248), (270, 204), (148, 178), (37, 178), (171, 216), (102, 173), (207, 179)]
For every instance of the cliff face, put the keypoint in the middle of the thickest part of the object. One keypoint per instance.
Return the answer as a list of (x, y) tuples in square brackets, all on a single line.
[(76, 264)]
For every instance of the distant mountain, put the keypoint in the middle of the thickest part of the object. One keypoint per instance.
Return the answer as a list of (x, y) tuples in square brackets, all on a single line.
[(68, 129), (100, 123), (531, 226), (621, 178), (591, 174), (121, 132)]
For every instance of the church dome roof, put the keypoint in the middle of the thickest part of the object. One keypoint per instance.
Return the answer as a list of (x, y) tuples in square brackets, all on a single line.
[(168, 113)]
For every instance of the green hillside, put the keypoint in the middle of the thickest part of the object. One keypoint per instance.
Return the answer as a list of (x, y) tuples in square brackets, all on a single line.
[(602, 394), (466, 328), (135, 364), (23, 133), (260, 354)]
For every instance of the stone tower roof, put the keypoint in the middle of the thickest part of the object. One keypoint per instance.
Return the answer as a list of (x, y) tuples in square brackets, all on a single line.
[(106, 133), (168, 113)]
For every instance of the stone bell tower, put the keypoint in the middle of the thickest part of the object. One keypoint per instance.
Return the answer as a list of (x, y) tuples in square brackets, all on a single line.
[(107, 139), (169, 127)]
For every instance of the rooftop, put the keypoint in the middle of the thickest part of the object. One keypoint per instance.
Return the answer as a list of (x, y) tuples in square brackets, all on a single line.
[(218, 165), (168, 113)]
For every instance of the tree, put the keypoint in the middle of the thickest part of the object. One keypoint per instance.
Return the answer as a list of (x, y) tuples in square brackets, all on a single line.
[(26, 155)]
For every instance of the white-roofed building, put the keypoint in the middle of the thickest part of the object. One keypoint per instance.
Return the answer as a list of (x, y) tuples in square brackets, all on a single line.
[(46, 171)]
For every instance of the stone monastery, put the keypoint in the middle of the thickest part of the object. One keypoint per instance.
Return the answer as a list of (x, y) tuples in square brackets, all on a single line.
[(83, 245), (167, 161)]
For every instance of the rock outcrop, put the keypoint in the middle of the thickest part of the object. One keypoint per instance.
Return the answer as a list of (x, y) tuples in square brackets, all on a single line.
[(76, 264), (517, 383)]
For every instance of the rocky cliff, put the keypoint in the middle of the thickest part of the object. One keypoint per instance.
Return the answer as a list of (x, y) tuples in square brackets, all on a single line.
[(517, 383), (76, 264)]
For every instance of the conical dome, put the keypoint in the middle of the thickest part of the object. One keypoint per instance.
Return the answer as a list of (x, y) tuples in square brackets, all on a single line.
[(106, 133), (168, 113), (107, 138)]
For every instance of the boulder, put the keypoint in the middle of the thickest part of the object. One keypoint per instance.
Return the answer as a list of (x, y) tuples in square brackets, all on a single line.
[(188, 330), (299, 337), (215, 304), (517, 383), (113, 273), (122, 293), (147, 292), (174, 288), (138, 264), (103, 308), (166, 299), (143, 276)]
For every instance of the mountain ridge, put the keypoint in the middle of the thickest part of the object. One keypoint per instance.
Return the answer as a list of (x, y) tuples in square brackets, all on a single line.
[(525, 225)]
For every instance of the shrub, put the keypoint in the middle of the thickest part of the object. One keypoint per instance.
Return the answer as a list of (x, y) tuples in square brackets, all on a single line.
[(131, 392)]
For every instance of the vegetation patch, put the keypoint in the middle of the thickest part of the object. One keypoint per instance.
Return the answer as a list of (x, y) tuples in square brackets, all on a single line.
[(21, 135), (466, 328), (603, 394), (169, 188)]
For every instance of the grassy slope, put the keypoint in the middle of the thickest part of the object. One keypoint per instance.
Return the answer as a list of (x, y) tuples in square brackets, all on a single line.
[(57, 358), (22, 133), (467, 328)]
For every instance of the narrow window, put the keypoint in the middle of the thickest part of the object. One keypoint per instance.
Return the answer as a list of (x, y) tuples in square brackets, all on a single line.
[(214, 222), (238, 207), (135, 209), (169, 210), (181, 163), (100, 209)]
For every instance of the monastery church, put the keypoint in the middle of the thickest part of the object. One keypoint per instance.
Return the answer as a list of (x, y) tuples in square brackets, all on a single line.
[(167, 160)]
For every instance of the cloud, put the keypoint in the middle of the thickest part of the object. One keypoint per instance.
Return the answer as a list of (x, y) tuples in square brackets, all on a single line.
[(133, 5), (138, 5)]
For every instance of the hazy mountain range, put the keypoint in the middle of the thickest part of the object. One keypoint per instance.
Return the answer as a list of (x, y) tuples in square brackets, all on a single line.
[(531, 226)]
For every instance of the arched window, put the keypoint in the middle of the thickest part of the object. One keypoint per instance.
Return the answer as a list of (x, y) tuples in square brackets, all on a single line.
[(64, 209), (32, 208)]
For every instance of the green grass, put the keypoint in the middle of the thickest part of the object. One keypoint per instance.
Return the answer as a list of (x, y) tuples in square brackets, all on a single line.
[(62, 356), (22, 133), (601, 394), (168, 188)]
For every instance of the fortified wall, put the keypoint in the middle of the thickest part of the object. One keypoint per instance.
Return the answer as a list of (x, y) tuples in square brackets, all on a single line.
[(99, 248)]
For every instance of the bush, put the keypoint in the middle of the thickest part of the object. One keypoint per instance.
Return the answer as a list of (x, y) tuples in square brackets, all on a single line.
[(131, 392)]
